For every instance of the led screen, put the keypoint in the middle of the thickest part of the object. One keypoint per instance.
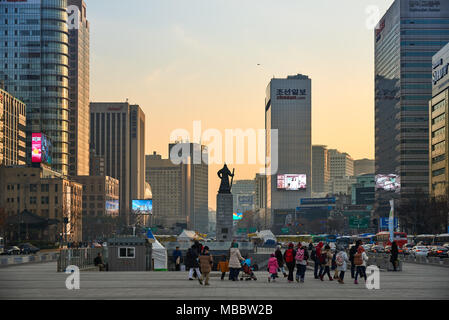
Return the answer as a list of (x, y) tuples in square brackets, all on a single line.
[(292, 181), (388, 182), (142, 206), (237, 216), (112, 207)]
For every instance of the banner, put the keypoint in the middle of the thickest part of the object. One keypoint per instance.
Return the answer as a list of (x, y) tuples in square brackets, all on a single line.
[(391, 221)]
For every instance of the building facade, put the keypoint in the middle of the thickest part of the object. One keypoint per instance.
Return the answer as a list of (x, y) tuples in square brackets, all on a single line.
[(243, 192), (12, 130), (406, 38), (116, 131), (364, 166), (79, 80), (34, 53), (101, 196), (340, 164), (439, 126), (288, 110), (47, 194), (320, 168)]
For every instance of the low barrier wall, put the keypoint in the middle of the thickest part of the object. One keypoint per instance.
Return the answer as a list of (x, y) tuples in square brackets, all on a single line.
[(35, 258)]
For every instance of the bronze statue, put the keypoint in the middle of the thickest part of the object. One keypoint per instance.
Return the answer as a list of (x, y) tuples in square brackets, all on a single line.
[(224, 175)]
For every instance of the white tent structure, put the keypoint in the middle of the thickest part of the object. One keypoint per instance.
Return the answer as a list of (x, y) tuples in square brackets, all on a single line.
[(159, 256), (266, 235), (187, 235)]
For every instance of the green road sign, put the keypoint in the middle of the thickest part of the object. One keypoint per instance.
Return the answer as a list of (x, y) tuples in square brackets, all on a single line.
[(285, 230), (359, 223), (242, 231), (252, 230)]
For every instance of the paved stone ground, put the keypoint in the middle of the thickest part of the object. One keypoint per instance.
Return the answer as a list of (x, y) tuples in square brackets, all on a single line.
[(41, 281)]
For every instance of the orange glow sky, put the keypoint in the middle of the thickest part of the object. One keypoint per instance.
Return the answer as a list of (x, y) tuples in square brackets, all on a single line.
[(183, 61)]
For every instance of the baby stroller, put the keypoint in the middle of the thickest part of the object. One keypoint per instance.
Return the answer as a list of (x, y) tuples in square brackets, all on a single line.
[(248, 273)]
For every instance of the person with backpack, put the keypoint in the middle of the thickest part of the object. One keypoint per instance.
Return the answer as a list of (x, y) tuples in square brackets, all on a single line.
[(223, 266), (301, 257), (289, 258), (279, 256), (316, 258), (273, 267), (352, 252), (326, 263), (342, 263), (206, 262), (334, 263), (360, 261)]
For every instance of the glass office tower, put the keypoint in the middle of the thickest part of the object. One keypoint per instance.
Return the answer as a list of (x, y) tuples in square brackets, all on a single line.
[(34, 57), (406, 38)]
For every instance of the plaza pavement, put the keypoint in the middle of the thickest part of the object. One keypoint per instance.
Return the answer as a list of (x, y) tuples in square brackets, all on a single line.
[(41, 281)]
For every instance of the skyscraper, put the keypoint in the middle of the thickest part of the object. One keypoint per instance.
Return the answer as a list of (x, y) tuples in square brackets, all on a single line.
[(12, 130), (117, 134), (34, 55), (406, 38), (288, 110), (320, 168), (340, 164), (79, 75), (243, 192)]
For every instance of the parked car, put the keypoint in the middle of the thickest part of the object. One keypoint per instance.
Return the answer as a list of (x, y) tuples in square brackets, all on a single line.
[(420, 251), (28, 248), (12, 250), (439, 252), (378, 249)]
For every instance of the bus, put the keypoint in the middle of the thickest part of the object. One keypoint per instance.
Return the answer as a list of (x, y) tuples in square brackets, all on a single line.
[(383, 238), (441, 239), (425, 239), (319, 238), (367, 238), (2, 245), (331, 238), (294, 238), (344, 241)]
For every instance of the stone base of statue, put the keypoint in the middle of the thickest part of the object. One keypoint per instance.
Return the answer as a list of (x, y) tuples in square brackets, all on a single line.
[(225, 211)]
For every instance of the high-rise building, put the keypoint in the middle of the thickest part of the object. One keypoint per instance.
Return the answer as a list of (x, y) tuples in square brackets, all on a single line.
[(288, 110), (320, 169), (406, 38), (364, 166), (195, 157), (79, 79), (12, 130), (34, 55), (260, 197), (340, 164), (116, 134), (243, 192), (439, 126)]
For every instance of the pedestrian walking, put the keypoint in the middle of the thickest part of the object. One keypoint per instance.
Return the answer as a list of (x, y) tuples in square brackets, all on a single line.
[(273, 267), (177, 258), (360, 261), (394, 255), (234, 262), (342, 263), (352, 252), (223, 266), (316, 254), (289, 258), (301, 257), (280, 257), (326, 263), (192, 263), (334, 263), (206, 263)]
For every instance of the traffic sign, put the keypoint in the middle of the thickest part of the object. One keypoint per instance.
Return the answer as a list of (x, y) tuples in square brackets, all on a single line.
[(359, 223)]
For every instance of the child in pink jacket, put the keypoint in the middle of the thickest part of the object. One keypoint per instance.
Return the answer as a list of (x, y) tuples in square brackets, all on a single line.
[(273, 267)]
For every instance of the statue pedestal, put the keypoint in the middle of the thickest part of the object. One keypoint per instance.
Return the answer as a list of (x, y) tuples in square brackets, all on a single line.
[(225, 211)]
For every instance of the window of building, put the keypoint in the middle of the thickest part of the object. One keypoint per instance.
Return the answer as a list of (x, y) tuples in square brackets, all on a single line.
[(126, 252)]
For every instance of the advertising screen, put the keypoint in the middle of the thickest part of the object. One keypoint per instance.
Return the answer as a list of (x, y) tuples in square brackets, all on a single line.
[(36, 148), (388, 182), (237, 216), (46, 150), (144, 207), (292, 182), (112, 207), (246, 200)]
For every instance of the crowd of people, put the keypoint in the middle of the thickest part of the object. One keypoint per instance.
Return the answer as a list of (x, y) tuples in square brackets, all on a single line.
[(199, 262)]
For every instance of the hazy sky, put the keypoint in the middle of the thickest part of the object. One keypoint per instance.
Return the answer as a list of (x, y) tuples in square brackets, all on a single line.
[(187, 60)]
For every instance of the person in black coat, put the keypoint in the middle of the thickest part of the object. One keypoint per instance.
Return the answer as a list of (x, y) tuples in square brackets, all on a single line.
[(352, 253), (192, 263), (280, 259), (394, 255)]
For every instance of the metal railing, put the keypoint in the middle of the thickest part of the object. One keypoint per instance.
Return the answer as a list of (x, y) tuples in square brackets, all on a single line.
[(82, 258)]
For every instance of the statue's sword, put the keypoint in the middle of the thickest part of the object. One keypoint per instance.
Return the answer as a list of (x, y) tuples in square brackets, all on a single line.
[(232, 178)]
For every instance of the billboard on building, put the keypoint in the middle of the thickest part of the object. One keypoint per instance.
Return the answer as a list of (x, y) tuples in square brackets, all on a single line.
[(237, 216), (249, 200), (112, 208), (292, 182), (388, 182), (144, 207), (40, 149)]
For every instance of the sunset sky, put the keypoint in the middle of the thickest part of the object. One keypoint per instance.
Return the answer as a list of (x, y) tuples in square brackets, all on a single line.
[(183, 61)]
